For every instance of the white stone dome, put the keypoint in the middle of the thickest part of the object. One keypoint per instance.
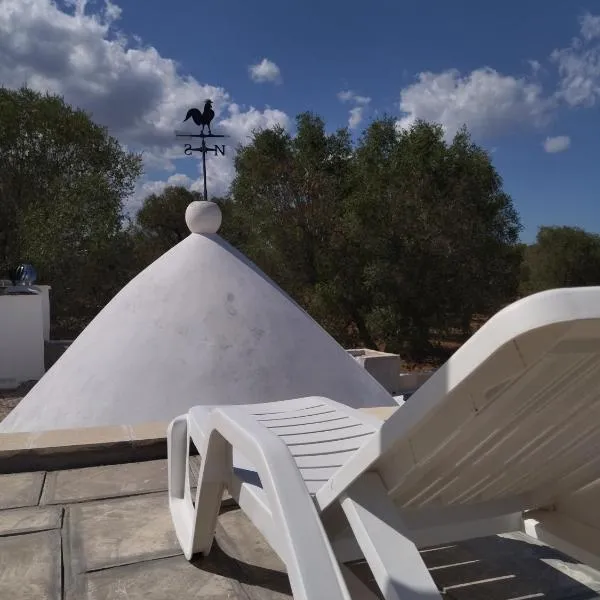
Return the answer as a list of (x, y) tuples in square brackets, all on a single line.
[(200, 325)]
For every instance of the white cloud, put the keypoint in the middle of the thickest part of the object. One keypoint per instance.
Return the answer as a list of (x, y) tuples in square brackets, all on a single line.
[(217, 183), (356, 117), (356, 113), (139, 95), (590, 26), (579, 66), (145, 188), (489, 102), (265, 70), (159, 161), (535, 65), (239, 124), (350, 96), (134, 91), (558, 143), (485, 100)]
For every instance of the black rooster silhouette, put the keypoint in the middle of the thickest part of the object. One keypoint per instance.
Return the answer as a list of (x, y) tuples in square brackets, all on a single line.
[(202, 118)]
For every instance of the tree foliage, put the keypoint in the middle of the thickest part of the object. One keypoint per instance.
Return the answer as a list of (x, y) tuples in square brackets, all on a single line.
[(287, 203), (561, 257), (160, 222), (385, 242), (392, 240), (62, 182)]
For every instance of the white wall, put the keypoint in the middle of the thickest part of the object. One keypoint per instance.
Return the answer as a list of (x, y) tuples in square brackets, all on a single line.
[(21, 338)]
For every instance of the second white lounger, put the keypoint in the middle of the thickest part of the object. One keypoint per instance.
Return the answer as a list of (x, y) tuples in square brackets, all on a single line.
[(509, 424)]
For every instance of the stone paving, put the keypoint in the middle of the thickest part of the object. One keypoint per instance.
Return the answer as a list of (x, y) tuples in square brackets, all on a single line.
[(104, 533)]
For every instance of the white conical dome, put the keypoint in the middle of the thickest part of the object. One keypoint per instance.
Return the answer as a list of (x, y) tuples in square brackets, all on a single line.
[(200, 325)]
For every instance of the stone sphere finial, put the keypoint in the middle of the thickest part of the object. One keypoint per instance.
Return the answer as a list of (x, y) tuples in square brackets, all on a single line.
[(203, 217)]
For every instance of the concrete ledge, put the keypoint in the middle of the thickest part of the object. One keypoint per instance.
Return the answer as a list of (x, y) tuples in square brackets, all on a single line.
[(94, 446), (86, 447), (381, 412)]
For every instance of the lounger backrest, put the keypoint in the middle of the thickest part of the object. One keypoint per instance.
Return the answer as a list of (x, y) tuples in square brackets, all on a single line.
[(514, 414)]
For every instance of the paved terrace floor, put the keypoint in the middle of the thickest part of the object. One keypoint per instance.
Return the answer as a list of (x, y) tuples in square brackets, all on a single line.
[(84, 516), (104, 532)]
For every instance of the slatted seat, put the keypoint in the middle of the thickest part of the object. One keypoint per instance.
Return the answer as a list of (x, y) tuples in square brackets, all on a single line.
[(319, 435)]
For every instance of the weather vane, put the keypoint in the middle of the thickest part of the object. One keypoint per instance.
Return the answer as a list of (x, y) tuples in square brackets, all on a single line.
[(202, 119)]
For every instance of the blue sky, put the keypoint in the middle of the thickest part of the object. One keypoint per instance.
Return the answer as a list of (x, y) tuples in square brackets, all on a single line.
[(524, 77)]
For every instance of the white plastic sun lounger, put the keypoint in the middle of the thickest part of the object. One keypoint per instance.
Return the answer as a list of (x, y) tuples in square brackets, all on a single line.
[(511, 423)]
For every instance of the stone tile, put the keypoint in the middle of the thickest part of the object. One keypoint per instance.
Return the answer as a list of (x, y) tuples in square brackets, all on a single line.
[(245, 543), (95, 483), (526, 569), (532, 583), (576, 578), (449, 554), (120, 531), (156, 580), (499, 589), (30, 566), (265, 590), (20, 489), (463, 574), (362, 572), (24, 520), (263, 573)]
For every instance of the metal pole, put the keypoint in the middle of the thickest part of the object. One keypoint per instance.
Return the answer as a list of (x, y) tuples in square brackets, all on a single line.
[(202, 119), (204, 167)]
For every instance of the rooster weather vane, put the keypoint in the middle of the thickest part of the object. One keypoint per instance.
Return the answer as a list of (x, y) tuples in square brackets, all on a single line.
[(202, 119)]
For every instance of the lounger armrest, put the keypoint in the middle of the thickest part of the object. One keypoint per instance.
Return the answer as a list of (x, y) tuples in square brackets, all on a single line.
[(302, 538)]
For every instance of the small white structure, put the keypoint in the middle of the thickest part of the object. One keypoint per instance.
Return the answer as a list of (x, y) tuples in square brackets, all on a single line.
[(22, 326), (387, 369), (201, 325), (384, 366)]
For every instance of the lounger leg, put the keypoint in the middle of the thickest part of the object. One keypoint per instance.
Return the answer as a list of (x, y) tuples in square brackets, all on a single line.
[(180, 502), (215, 468), (394, 559), (195, 526)]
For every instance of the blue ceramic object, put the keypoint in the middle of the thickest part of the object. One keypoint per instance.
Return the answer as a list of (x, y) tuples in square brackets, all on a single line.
[(25, 274)]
